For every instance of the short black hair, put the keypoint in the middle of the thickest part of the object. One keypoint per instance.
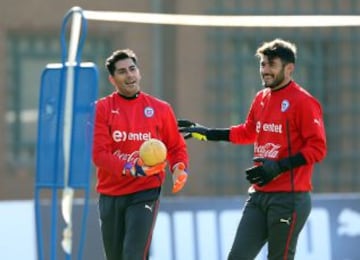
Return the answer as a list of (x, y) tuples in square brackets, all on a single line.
[(278, 48), (119, 55)]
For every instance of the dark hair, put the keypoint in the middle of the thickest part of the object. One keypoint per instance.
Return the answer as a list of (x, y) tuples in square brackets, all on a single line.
[(278, 48), (119, 55)]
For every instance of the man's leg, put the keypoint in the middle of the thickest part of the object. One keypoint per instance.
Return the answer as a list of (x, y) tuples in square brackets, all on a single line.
[(285, 223), (140, 222), (112, 225), (251, 233)]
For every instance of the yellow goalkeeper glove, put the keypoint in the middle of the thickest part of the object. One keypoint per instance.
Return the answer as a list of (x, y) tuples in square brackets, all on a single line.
[(192, 129)]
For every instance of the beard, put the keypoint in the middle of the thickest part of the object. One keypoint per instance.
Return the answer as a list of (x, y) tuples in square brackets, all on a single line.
[(276, 81)]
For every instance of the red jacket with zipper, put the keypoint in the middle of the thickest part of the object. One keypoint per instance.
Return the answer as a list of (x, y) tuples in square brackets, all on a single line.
[(121, 126), (278, 118)]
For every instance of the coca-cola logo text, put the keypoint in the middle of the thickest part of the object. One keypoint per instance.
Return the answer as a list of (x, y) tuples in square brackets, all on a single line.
[(268, 150)]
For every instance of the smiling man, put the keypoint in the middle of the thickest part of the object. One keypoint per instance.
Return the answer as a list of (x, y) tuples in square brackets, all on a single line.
[(128, 190), (285, 125)]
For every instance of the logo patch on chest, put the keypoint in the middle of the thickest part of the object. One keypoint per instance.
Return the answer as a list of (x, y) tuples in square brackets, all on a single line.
[(285, 104), (149, 112)]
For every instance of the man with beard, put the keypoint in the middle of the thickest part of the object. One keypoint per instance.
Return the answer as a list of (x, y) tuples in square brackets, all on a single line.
[(285, 124)]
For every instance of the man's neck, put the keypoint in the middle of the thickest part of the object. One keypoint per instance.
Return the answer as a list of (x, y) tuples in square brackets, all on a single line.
[(281, 86), (130, 97)]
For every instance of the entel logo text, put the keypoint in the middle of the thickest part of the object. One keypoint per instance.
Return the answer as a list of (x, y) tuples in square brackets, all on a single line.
[(121, 136), (269, 127)]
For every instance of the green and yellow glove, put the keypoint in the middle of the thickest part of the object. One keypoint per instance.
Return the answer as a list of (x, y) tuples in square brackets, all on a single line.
[(192, 129)]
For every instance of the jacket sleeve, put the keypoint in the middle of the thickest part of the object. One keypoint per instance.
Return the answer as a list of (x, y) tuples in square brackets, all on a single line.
[(311, 125), (101, 151), (174, 141)]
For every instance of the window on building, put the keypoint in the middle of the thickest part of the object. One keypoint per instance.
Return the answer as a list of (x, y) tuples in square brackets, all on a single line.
[(28, 56)]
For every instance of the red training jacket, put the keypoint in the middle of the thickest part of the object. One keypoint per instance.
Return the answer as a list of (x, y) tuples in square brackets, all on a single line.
[(121, 126), (266, 127)]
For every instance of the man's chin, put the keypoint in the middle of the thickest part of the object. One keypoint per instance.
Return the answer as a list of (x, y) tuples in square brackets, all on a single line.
[(134, 88), (267, 85), (131, 86)]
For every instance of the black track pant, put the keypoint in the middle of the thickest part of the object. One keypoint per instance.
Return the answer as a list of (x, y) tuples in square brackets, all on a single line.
[(276, 218), (127, 224)]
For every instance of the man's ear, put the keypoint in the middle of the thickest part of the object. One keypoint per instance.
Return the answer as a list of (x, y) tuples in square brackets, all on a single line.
[(289, 68), (111, 79)]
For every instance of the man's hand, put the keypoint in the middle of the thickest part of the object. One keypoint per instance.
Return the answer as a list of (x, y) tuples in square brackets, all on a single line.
[(185, 123), (179, 177), (138, 169), (264, 173), (192, 129)]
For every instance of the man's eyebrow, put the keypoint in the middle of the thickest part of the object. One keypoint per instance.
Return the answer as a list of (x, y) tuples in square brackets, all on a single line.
[(124, 68)]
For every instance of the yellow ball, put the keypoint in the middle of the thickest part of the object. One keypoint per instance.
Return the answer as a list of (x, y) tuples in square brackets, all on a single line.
[(152, 152)]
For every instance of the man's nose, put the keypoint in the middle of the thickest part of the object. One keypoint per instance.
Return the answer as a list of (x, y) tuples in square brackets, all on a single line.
[(265, 69)]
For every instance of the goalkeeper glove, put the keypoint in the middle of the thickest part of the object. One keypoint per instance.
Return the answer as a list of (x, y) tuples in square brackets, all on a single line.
[(264, 173), (197, 132), (192, 129), (270, 169), (179, 177), (202, 133), (138, 169), (185, 123)]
